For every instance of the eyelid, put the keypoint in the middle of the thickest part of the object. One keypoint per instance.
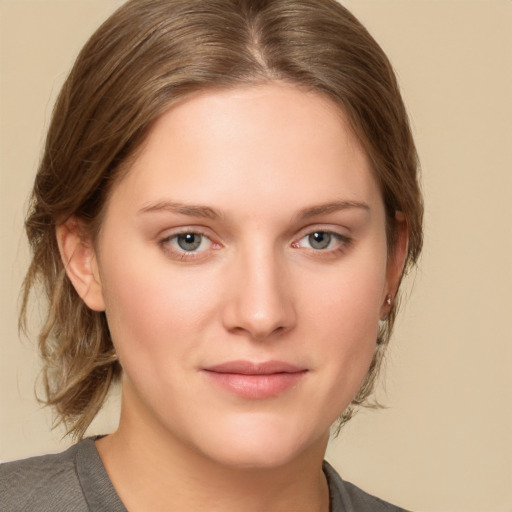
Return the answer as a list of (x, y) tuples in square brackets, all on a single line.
[(337, 230), (184, 230)]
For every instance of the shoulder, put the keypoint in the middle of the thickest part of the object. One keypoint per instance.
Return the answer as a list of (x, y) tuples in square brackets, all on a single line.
[(48, 482), (347, 496)]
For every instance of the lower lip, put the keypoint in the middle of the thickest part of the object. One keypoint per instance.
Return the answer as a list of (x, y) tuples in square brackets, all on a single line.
[(256, 386)]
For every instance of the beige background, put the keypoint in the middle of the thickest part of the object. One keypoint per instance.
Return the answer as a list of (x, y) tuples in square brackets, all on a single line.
[(445, 442)]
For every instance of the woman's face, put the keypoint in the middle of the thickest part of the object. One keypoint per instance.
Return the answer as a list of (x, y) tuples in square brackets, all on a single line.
[(243, 268)]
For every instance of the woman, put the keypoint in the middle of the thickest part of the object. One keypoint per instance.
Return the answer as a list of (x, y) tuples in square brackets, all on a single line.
[(226, 205)]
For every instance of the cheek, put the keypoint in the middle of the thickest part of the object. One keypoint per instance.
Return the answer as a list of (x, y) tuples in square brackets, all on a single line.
[(149, 304), (349, 296), (344, 317)]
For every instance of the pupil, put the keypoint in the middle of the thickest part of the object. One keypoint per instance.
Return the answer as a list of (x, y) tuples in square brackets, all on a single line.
[(320, 240), (189, 241)]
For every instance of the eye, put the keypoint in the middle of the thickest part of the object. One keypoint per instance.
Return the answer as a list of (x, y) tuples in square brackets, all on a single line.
[(320, 240), (188, 242), (323, 241)]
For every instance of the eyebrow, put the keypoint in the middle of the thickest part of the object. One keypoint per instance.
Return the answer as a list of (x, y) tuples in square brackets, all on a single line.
[(192, 210), (323, 209)]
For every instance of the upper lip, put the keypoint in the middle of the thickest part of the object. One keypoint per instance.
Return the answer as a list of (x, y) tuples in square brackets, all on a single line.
[(252, 368)]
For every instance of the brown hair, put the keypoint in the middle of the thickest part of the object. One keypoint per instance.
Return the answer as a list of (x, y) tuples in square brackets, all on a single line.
[(148, 55)]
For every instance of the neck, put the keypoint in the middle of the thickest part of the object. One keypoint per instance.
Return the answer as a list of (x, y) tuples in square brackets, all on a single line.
[(151, 470)]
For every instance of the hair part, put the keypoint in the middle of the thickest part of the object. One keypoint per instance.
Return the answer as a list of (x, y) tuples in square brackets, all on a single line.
[(149, 55)]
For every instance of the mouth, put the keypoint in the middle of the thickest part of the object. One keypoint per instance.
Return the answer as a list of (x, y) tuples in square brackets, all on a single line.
[(251, 380)]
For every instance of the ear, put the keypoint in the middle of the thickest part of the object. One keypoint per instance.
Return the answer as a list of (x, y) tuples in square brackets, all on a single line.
[(396, 263), (79, 259)]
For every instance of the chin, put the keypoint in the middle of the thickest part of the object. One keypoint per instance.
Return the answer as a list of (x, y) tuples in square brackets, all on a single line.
[(255, 456), (264, 443)]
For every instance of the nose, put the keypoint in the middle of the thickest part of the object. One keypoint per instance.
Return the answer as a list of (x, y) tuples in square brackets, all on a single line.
[(261, 303)]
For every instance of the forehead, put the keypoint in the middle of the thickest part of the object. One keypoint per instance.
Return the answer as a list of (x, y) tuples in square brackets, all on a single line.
[(270, 142), (252, 114)]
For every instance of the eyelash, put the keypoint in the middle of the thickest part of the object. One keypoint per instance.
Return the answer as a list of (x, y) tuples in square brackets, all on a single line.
[(341, 244)]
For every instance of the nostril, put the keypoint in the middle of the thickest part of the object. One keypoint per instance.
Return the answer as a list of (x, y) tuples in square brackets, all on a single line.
[(259, 325)]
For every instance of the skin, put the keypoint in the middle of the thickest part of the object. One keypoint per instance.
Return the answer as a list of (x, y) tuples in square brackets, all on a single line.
[(254, 173)]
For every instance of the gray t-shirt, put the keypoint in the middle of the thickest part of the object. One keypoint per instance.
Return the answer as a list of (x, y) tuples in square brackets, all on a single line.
[(76, 481)]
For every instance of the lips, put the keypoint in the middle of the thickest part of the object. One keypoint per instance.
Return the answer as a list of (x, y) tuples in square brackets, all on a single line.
[(251, 380)]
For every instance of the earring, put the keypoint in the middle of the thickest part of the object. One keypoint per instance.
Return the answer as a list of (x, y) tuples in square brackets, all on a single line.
[(389, 299)]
